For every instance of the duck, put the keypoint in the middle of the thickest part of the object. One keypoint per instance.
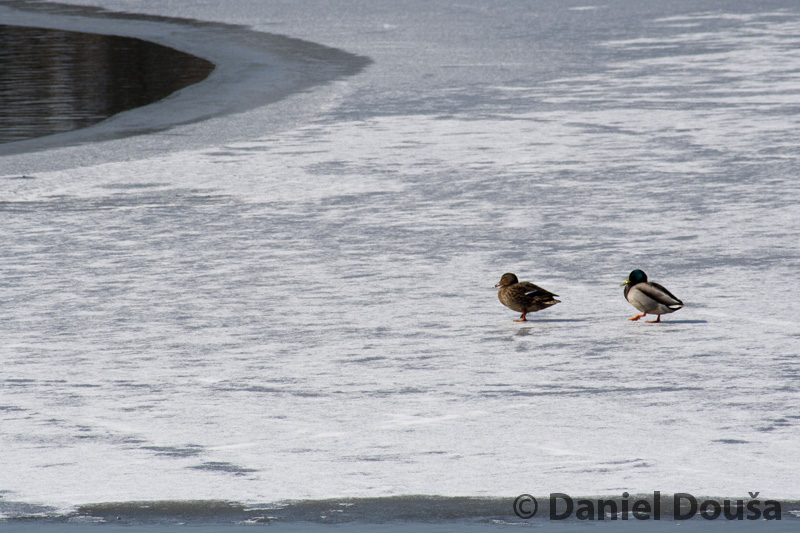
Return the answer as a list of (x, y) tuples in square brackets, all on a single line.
[(649, 297), (523, 296)]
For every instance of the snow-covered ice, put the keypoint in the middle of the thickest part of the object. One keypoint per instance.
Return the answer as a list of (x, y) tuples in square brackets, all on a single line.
[(294, 301)]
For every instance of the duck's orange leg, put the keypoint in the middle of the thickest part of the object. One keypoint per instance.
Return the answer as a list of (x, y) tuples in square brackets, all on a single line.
[(656, 321), (637, 317), (522, 318)]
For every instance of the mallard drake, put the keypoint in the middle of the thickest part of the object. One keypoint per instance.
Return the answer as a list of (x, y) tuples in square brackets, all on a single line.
[(523, 296), (649, 297)]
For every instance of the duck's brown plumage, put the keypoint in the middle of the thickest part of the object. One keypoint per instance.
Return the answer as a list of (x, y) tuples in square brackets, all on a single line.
[(523, 296)]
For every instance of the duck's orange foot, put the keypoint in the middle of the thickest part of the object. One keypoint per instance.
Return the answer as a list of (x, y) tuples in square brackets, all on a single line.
[(637, 317), (522, 318), (656, 321)]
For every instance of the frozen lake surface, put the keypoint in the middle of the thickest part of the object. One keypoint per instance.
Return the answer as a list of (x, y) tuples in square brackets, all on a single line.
[(282, 290)]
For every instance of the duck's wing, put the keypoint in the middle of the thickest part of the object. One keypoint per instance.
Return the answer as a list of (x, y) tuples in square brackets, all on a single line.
[(534, 291), (660, 294)]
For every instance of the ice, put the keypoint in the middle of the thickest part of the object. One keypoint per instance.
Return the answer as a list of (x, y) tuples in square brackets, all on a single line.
[(303, 309)]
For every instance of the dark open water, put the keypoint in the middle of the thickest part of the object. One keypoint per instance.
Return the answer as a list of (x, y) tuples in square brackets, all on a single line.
[(410, 513), (55, 81)]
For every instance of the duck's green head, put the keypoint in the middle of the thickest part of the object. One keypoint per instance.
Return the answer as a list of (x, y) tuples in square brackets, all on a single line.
[(637, 276), (507, 279)]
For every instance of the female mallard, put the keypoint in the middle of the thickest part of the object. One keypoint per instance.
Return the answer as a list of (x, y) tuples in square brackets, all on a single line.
[(649, 297), (523, 297)]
